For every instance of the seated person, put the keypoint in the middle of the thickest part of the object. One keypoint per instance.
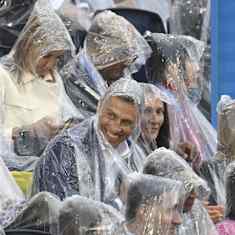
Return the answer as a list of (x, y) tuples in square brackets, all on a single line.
[(175, 64), (91, 158), (33, 104), (155, 126), (153, 205), (213, 170), (115, 48), (16, 212), (79, 215), (227, 226), (166, 163)]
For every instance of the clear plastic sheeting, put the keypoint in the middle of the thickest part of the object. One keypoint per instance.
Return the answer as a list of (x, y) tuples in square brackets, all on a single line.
[(197, 221), (34, 106), (188, 17), (40, 213), (151, 91), (79, 215), (11, 197), (226, 114), (178, 69), (177, 62), (166, 163), (2, 231), (194, 127), (44, 33), (213, 170), (114, 43), (13, 16), (155, 130), (83, 84), (227, 225), (229, 186), (92, 158), (154, 205)]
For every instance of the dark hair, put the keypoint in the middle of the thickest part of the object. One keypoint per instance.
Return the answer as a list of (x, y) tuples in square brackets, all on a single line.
[(143, 188), (163, 139), (164, 54)]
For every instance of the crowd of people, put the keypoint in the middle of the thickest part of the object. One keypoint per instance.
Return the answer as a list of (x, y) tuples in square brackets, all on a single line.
[(87, 149)]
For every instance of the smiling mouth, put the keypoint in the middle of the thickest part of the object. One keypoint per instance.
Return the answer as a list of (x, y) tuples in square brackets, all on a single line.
[(113, 136)]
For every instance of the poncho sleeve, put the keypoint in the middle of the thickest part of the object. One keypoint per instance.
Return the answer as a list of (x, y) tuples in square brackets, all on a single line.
[(58, 167)]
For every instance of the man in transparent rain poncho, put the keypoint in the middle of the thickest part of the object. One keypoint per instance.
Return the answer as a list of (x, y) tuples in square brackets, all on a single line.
[(92, 158), (80, 215), (115, 48), (46, 213), (33, 103), (154, 205), (166, 163)]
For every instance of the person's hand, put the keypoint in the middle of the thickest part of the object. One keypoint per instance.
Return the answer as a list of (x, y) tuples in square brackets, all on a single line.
[(46, 127), (187, 151), (216, 212)]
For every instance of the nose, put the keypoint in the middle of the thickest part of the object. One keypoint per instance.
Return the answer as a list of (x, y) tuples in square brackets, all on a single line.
[(116, 127), (155, 118), (176, 218)]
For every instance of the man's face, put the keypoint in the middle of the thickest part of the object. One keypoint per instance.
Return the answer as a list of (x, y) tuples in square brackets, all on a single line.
[(117, 120), (153, 118)]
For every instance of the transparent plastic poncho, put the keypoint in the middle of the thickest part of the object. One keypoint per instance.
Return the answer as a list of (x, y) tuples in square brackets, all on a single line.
[(213, 170), (188, 17), (197, 221), (13, 16), (161, 137), (79, 216), (43, 34), (166, 163), (77, 163), (175, 65), (150, 200), (83, 84), (229, 185), (112, 40), (75, 215), (39, 214), (11, 197)]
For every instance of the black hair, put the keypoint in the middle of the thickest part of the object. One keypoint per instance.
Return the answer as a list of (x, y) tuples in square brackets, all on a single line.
[(164, 54), (163, 139), (144, 188)]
